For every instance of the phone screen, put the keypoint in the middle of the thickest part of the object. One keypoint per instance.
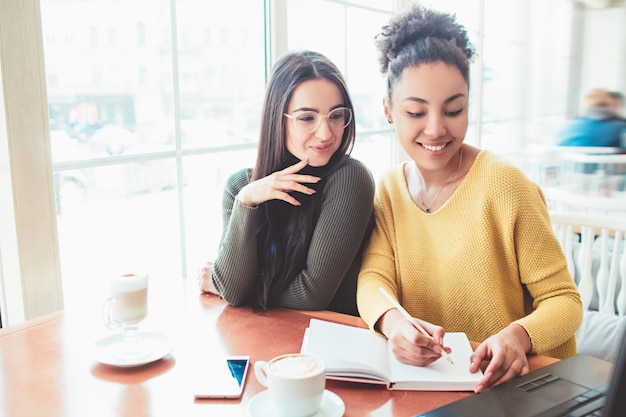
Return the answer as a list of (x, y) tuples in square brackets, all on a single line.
[(224, 379)]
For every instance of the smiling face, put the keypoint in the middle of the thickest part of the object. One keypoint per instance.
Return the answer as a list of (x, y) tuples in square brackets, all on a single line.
[(320, 96), (429, 107)]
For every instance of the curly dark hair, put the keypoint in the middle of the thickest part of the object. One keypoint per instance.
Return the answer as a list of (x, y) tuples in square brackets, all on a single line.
[(421, 36)]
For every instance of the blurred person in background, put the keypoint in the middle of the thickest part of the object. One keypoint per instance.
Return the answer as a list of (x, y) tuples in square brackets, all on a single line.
[(617, 103), (598, 125)]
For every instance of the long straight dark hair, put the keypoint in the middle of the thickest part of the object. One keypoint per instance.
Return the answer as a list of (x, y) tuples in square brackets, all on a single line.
[(284, 231)]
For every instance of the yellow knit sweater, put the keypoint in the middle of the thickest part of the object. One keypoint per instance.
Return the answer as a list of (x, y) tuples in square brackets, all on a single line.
[(485, 259)]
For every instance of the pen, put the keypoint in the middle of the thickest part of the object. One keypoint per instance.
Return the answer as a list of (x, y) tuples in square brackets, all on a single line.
[(412, 320)]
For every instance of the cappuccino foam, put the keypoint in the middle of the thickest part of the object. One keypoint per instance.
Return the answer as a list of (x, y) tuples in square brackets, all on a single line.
[(296, 366), (129, 282)]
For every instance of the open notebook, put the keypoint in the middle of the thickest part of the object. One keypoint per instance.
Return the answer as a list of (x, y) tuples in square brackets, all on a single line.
[(578, 386), (360, 355)]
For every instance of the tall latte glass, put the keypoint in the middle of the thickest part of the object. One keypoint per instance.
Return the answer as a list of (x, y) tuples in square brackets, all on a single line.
[(126, 308), (296, 383)]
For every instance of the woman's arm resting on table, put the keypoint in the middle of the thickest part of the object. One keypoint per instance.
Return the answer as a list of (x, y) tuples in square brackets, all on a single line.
[(205, 280)]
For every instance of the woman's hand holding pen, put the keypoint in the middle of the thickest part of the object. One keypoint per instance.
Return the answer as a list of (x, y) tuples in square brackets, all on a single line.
[(277, 186), (506, 353), (408, 344)]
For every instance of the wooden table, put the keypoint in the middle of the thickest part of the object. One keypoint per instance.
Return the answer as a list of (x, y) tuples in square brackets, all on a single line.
[(47, 367)]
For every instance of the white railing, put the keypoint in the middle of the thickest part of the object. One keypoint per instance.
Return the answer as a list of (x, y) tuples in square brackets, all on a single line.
[(593, 245)]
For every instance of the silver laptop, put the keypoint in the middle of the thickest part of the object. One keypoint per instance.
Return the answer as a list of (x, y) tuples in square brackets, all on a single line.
[(577, 386)]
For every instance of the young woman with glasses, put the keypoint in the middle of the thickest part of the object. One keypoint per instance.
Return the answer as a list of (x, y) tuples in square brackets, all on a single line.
[(463, 239), (294, 226)]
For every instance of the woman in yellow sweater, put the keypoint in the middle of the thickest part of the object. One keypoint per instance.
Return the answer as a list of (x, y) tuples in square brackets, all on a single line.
[(463, 239)]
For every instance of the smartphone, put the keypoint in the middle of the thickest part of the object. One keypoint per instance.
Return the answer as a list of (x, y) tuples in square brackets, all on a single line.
[(222, 379)]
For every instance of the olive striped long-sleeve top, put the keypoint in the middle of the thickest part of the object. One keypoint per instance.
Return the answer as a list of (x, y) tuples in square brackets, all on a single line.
[(334, 256)]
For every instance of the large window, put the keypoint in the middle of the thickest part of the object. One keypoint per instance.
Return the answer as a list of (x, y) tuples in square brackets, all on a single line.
[(152, 104)]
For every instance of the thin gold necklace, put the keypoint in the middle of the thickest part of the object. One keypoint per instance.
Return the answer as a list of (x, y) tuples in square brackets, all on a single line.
[(419, 194)]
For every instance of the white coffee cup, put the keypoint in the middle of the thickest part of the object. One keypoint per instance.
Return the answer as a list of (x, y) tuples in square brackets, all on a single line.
[(127, 306), (296, 383)]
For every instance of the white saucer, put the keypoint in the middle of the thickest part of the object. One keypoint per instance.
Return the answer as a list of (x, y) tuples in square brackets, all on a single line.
[(154, 346), (332, 405)]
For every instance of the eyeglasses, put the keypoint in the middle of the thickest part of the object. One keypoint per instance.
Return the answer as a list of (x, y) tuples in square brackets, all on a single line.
[(309, 121)]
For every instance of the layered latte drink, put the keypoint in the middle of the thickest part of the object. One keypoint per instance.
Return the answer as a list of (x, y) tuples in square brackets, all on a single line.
[(130, 292)]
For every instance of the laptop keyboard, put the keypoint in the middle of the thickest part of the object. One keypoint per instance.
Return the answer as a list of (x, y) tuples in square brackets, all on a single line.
[(589, 404), (538, 382)]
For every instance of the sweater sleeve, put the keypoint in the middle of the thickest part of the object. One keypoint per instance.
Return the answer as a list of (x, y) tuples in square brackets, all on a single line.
[(235, 267), (344, 223), (557, 307), (379, 268)]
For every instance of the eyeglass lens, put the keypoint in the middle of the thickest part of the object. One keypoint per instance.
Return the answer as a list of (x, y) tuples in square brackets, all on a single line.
[(309, 121)]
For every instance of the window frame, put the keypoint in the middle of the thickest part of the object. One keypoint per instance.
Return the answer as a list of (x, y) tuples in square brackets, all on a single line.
[(30, 273)]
